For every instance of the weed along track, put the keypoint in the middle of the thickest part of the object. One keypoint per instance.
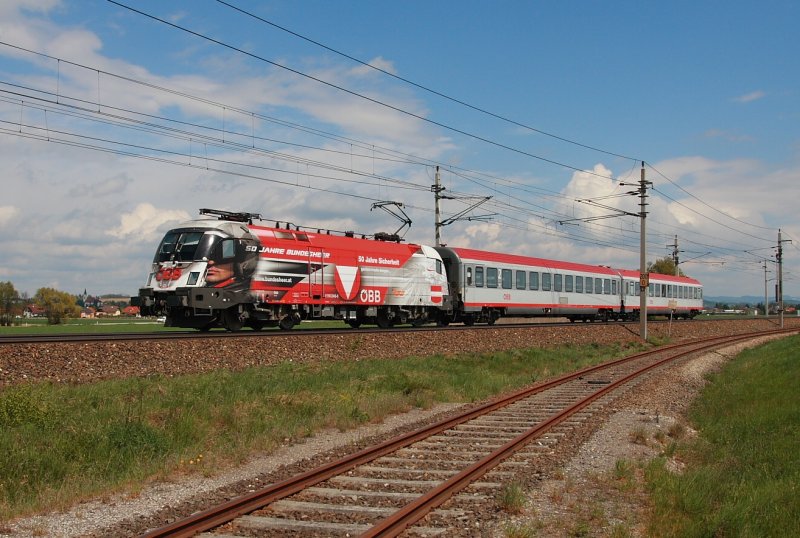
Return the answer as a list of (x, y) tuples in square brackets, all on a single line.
[(444, 479)]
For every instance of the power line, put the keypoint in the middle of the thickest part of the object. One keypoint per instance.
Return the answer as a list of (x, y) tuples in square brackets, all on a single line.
[(706, 204), (356, 94), (421, 86), (707, 217)]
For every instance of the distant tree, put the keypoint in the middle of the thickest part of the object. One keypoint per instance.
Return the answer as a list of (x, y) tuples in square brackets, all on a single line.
[(9, 303), (664, 266), (57, 304)]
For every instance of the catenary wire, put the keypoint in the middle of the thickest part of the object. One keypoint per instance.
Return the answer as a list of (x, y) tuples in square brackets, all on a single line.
[(356, 94), (423, 87)]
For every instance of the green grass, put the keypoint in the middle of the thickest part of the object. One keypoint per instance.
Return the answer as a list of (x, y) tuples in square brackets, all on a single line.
[(743, 472), (35, 326), (511, 498), (60, 444)]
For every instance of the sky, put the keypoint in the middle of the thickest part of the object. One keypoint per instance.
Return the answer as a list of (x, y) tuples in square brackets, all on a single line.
[(121, 119)]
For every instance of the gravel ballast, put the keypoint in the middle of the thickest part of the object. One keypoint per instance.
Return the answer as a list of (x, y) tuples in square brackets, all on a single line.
[(95, 361)]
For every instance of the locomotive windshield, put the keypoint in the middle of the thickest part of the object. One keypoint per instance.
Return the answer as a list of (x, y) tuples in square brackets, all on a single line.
[(186, 246)]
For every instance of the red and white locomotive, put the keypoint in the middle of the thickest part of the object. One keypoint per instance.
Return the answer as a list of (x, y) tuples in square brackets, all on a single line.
[(225, 271), (231, 273)]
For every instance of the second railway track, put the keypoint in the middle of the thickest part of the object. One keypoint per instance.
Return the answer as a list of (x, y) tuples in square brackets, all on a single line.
[(427, 482)]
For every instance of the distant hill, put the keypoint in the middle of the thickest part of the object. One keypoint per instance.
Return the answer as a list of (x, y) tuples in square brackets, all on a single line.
[(115, 298)]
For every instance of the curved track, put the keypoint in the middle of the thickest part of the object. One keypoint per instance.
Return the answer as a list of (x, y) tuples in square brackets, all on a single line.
[(389, 488)]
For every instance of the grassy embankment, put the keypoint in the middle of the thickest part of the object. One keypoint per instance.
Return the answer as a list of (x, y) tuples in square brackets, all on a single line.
[(743, 470), (60, 444)]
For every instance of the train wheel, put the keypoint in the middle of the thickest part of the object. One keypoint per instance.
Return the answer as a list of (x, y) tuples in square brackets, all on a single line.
[(287, 323), (383, 320), (231, 320)]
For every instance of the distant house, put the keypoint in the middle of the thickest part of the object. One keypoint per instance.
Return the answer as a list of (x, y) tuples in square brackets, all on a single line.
[(109, 311), (88, 312), (132, 311), (94, 302), (34, 311)]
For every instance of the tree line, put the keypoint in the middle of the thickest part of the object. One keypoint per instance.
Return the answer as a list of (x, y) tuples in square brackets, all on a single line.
[(57, 305)]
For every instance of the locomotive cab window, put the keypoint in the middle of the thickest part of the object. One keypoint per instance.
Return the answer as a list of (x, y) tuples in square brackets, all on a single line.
[(491, 277), (179, 246)]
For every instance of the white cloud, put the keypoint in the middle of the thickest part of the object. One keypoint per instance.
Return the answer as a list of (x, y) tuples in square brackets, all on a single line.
[(8, 214), (379, 63), (727, 136), (145, 221), (750, 97)]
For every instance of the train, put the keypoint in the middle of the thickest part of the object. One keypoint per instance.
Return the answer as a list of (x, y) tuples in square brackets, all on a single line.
[(222, 270)]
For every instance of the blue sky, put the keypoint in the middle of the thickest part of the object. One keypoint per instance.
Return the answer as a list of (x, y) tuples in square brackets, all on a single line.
[(116, 126)]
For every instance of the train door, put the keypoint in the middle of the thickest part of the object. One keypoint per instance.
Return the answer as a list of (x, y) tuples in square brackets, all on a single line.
[(469, 281), (316, 277)]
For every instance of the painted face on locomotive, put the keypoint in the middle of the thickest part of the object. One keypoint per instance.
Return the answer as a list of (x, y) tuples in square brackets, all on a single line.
[(229, 260)]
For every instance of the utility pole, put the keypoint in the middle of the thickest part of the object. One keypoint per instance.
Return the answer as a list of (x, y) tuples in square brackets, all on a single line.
[(675, 255), (437, 188), (766, 293), (644, 279), (779, 285)]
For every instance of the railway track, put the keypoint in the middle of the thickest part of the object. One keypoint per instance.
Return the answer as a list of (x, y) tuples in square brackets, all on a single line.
[(276, 333), (427, 482)]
